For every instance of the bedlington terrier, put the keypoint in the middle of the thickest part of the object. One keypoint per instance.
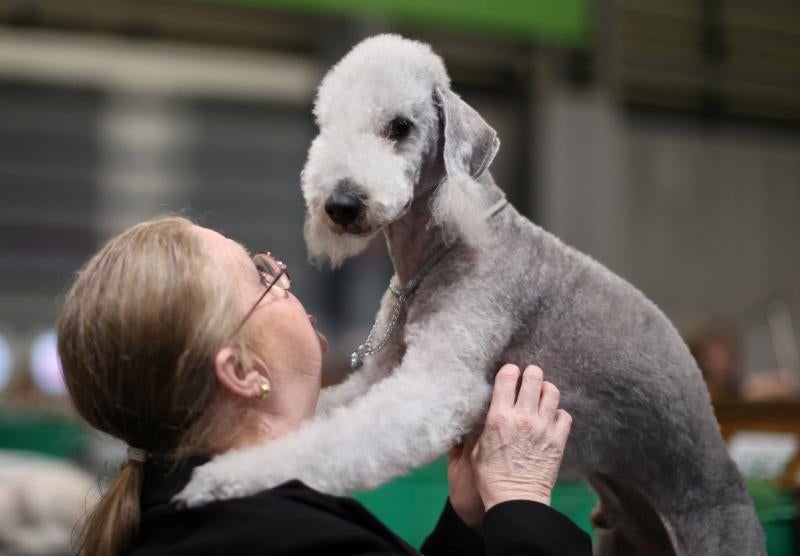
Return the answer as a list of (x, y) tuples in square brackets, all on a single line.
[(398, 151)]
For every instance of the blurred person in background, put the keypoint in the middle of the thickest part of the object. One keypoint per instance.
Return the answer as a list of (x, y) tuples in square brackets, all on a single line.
[(175, 341), (717, 349), (41, 500)]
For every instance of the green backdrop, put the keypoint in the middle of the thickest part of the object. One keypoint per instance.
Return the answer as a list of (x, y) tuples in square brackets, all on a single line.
[(565, 22), (411, 505)]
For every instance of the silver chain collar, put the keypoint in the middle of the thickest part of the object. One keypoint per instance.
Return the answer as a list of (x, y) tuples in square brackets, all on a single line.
[(368, 347)]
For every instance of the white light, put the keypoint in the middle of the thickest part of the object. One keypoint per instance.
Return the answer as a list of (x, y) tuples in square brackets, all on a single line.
[(6, 363), (45, 365)]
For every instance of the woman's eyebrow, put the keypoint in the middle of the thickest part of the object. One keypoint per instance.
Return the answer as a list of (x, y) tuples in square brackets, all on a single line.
[(240, 246), (247, 253), (229, 238)]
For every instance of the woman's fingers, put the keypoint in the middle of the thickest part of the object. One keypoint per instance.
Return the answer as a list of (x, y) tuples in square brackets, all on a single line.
[(536, 395), (548, 404), (563, 424), (520, 448), (505, 387), (531, 388)]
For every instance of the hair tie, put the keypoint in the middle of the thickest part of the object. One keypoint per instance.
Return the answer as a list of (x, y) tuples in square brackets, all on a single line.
[(137, 454)]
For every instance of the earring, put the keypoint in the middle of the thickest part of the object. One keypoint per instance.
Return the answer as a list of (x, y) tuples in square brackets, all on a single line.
[(265, 389)]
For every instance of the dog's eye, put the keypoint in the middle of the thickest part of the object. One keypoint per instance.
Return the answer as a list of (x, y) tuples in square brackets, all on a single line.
[(398, 129)]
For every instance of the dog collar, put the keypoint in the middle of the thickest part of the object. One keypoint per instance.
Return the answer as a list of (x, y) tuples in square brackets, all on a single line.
[(368, 347)]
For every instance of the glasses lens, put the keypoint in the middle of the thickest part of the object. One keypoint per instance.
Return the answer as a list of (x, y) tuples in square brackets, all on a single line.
[(271, 267)]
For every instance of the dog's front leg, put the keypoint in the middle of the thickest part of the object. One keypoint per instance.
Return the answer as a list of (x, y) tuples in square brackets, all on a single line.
[(436, 395), (356, 384)]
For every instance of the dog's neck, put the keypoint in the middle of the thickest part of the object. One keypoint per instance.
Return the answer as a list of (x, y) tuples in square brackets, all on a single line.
[(413, 239)]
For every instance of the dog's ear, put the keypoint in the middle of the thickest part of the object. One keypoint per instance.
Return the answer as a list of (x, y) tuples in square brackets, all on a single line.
[(470, 145)]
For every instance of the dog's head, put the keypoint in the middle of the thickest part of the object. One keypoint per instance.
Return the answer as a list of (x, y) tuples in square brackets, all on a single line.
[(390, 128)]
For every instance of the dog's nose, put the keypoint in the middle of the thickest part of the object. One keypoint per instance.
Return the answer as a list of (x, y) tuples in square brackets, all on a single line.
[(343, 207)]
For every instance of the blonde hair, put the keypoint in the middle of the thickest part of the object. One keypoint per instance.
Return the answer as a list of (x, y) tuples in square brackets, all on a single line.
[(137, 335)]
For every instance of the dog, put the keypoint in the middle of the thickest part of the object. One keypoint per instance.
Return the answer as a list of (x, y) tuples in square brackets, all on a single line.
[(477, 285)]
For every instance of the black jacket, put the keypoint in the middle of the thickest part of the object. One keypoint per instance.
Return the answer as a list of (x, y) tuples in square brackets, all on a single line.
[(293, 519)]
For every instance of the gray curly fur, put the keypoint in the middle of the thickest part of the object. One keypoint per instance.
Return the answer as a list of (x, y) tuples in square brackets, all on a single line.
[(644, 434)]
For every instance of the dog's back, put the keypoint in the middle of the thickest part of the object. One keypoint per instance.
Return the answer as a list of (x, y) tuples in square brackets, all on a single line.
[(644, 428)]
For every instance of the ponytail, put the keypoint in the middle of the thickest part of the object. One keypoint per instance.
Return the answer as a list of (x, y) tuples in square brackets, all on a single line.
[(114, 521)]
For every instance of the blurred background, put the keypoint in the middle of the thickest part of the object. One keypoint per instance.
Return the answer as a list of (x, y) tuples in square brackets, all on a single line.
[(662, 138)]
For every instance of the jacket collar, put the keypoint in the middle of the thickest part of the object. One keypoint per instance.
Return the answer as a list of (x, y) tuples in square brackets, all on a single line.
[(162, 483)]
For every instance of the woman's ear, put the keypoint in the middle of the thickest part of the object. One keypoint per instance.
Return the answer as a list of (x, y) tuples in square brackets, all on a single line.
[(234, 377)]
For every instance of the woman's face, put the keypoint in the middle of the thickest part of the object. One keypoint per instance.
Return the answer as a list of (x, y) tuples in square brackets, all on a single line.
[(293, 348)]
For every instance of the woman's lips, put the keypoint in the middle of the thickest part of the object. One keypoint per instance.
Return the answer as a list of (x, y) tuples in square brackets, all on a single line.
[(323, 342)]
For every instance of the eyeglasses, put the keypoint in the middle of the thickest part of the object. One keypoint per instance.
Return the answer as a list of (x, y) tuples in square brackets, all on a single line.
[(271, 271)]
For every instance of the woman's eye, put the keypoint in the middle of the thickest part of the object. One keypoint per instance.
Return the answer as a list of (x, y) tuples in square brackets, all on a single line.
[(263, 269), (398, 129)]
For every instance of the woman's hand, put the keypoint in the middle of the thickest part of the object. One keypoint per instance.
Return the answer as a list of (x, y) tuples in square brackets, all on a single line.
[(519, 452), (463, 492)]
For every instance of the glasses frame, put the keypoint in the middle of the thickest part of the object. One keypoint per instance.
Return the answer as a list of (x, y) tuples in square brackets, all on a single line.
[(281, 273)]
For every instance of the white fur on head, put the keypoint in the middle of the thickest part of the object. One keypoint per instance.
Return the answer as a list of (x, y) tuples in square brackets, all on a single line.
[(470, 145), (379, 72)]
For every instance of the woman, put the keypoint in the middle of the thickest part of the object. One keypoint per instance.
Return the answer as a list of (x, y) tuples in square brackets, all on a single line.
[(173, 339)]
